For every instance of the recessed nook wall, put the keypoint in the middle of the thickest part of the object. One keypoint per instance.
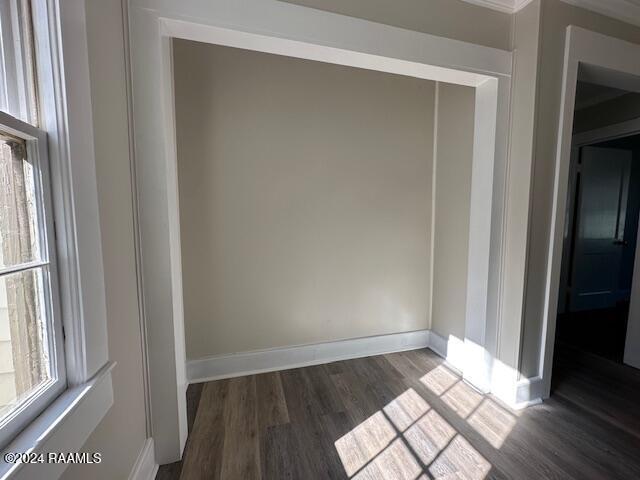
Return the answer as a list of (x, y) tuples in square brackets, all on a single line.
[(280, 28), (305, 199), (452, 170)]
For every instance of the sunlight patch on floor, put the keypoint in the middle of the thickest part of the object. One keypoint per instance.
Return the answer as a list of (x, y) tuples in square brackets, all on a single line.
[(439, 380), (407, 438), (362, 444), (460, 461), (493, 422), (406, 409), (429, 436), (395, 462), (462, 399)]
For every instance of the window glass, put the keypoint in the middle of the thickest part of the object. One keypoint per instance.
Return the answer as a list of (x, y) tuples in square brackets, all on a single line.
[(24, 352), (18, 220), (24, 340), (17, 72)]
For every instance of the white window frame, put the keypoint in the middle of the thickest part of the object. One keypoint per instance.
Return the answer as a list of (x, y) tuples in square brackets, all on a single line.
[(36, 143), (65, 114)]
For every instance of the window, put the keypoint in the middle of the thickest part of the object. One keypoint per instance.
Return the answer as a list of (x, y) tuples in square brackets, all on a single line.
[(54, 388), (32, 369)]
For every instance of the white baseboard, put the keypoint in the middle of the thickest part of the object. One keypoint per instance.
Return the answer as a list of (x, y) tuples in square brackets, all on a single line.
[(514, 391), (145, 467), (504, 384), (451, 349), (529, 391), (260, 361), (438, 344)]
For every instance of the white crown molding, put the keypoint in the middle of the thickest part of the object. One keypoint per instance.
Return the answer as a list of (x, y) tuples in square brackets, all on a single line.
[(624, 10), (506, 6), (520, 4)]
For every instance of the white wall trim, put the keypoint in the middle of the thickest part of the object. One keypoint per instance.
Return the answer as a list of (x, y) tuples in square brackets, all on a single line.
[(434, 190), (529, 391), (516, 392), (430, 57), (505, 381), (483, 235), (505, 6), (624, 10), (145, 467), (217, 367), (581, 46), (506, 385), (136, 222)]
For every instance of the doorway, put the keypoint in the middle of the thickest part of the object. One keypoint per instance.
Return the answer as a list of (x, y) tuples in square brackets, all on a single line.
[(600, 243), (596, 287)]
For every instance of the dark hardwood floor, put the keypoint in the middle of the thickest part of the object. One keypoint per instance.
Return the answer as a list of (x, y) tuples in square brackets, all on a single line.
[(601, 332), (407, 416)]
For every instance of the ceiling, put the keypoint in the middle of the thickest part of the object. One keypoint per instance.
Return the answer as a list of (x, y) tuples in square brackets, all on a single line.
[(590, 94)]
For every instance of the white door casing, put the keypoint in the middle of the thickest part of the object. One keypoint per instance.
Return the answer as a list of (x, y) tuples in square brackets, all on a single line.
[(620, 59)]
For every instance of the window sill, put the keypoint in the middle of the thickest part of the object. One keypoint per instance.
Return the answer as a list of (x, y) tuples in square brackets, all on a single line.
[(63, 427)]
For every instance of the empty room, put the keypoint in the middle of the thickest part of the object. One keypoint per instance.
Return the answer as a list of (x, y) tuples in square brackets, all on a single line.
[(319, 239)]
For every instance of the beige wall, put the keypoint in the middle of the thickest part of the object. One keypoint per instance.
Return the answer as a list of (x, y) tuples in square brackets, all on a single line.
[(453, 164), (444, 18), (121, 434), (305, 199), (556, 15)]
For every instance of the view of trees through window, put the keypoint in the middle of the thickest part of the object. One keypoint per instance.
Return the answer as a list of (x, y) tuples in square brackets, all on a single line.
[(24, 359)]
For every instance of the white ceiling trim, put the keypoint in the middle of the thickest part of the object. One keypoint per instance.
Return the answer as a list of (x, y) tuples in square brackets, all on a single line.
[(506, 6), (625, 10), (520, 4)]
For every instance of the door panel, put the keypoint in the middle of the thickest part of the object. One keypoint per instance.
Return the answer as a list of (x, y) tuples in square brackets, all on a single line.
[(603, 190)]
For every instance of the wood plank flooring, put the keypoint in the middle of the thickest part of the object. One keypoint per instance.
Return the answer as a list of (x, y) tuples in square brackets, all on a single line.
[(407, 416)]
